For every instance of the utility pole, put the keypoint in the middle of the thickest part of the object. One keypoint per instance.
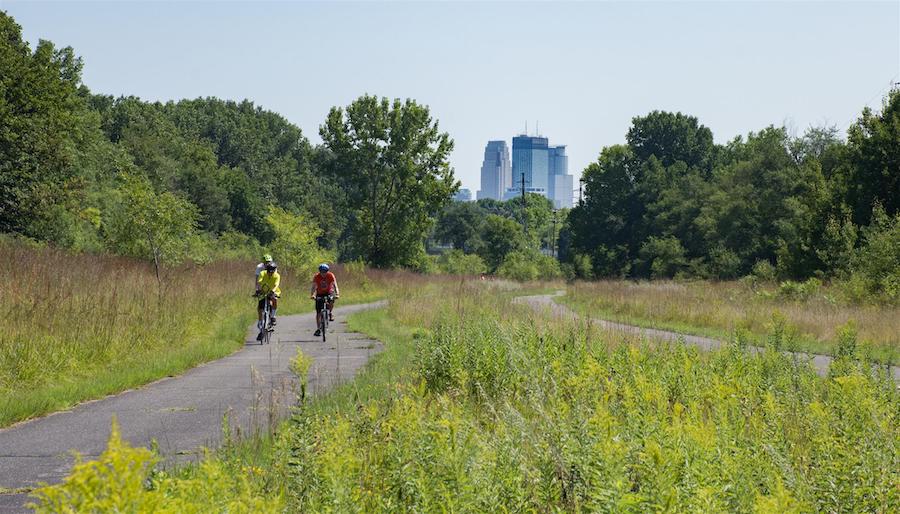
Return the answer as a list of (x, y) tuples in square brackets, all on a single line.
[(580, 183), (524, 208), (553, 234)]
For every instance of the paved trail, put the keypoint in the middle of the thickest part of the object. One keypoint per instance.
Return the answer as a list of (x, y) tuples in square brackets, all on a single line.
[(184, 414), (545, 301)]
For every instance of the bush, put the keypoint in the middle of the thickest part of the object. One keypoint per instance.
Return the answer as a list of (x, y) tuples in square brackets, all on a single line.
[(798, 291), (876, 265), (456, 262), (525, 265), (122, 479), (763, 271)]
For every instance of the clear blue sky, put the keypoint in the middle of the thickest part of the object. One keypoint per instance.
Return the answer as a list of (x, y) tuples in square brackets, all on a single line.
[(582, 69)]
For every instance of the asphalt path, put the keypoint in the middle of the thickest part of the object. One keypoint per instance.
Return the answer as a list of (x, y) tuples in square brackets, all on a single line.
[(183, 415), (546, 302)]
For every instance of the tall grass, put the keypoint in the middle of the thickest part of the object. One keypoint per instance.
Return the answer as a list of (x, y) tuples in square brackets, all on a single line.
[(75, 327), (478, 405), (718, 308)]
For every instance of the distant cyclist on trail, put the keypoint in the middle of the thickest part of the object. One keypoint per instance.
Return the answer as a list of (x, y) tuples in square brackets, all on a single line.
[(268, 282), (267, 258), (324, 290)]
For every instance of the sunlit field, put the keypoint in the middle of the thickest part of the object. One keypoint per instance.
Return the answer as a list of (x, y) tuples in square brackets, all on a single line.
[(719, 308), (480, 405), (76, 327)]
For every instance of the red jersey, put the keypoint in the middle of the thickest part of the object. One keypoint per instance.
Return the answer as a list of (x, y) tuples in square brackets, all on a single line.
[(324, 284)]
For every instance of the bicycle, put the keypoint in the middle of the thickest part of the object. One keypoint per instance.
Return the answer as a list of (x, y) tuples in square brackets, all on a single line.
[(323, 313), (265, 326)]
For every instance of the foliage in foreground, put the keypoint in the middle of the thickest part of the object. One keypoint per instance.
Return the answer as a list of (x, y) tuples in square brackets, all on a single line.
[(523, 415), (512, 412), (123, 479)]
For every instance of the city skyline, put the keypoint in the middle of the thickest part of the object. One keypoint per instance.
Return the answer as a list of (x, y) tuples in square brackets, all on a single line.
[(536, 165), (601, 64)]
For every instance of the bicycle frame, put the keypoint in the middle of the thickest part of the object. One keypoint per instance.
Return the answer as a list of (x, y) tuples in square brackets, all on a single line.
[(266, 328)]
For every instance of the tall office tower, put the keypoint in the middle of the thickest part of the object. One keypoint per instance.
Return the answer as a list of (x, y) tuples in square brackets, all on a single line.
[(530, 157), (496, 174), (559, 189)]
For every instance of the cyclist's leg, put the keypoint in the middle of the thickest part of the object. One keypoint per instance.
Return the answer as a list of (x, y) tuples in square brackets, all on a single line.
[(274, 303), (259, 309), (319, 302), (331, 307)]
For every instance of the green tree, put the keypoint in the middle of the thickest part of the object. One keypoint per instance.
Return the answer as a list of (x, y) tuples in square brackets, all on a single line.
[(671, 138), (159, 227), (872, 170), (664, 257), (393, 161), (460, 224), (295, 239), (499, 237), (603, 226), (41, 116)]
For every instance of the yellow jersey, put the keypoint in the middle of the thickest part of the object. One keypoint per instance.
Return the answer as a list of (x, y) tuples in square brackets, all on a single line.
[(269, 281)]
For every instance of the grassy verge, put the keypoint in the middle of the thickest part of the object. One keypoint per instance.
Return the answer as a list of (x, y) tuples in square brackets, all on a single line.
[(722, 310), (80, 327)]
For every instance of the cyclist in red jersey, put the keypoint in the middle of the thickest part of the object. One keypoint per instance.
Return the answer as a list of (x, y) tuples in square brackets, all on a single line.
[(324, 290)]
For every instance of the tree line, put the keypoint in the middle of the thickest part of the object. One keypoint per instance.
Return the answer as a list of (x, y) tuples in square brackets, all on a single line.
[(208, 177), (670, 202)]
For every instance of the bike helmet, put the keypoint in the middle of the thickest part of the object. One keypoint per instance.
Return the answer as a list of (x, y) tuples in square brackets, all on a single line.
[(267, 257), (323, 267), (271, 266)]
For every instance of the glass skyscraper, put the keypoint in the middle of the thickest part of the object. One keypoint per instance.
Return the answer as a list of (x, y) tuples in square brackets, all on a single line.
[(496, 174), (559, 182), (530, 157)]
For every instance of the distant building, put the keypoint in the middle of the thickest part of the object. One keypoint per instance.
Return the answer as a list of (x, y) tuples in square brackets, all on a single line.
[(513, 193), (559, 182), (464, 195), (496, 170), (563, 187), (530, 158), (545, 169)]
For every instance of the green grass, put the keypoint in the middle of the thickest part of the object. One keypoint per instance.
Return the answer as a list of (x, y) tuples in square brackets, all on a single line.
[(477, 405)]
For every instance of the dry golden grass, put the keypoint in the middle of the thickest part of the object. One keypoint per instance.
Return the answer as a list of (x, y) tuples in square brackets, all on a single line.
[(75, 327), (718, 308)]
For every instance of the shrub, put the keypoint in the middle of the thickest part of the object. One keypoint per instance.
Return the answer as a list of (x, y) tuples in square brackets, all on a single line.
[(763, 271), (122, 480), (876, 264), (799, 291), (524, 265), (456, 262)]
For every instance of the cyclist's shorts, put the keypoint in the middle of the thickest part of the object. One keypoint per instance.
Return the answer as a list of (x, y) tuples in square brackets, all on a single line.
[(262, 302), (320, 301)]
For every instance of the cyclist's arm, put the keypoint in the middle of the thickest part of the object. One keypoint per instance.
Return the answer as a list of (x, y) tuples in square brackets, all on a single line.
[(312, 290), (277, 277), (337, 292)]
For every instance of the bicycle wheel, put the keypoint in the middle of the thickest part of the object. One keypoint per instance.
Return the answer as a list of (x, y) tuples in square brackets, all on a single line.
[(265, 326), (324, 324)]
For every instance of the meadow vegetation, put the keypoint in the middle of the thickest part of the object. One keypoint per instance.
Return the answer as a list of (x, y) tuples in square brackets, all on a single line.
[(76, 326), (811, 312), (479, 405)]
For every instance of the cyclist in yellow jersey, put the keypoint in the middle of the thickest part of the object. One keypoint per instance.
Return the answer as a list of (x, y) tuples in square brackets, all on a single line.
[(268, 282)]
